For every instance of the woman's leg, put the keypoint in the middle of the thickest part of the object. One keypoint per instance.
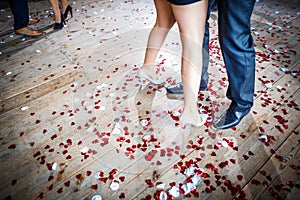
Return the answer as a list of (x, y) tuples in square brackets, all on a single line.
[(164, 22), (55, 8), (64, 5), (191, 20)]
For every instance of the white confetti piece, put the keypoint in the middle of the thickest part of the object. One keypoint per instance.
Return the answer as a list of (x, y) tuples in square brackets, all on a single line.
[(90, 129), (116, 130), (114, 186), (256, 33), (23, 39), (188, 187), (176, 113), (54, 166), (112, 94), (24, 108), (269, 85), (263, 137), (189, 171), (8, 73), (84, 150), (102, 86), (96, 197), (174, 191), (161, 186), (284, 69), (196, 180), (277, 12), (147, 137), (224, 144), (144, 122), (97, 175), (102, 108), (294, 74), (163, 196), (38, 51), (278, 87)]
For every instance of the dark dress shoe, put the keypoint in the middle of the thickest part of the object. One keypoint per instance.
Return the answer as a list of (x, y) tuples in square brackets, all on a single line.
[(28, 32), (178, 89), (230, 118)]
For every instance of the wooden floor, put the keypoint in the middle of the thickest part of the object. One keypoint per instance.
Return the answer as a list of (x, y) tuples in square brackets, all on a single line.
[(76, 122)]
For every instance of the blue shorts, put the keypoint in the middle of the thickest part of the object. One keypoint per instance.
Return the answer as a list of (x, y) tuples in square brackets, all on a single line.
[(183, 2)]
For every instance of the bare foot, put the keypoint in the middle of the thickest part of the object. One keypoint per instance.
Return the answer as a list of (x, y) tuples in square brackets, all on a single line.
[(150, 70), (195, 120)]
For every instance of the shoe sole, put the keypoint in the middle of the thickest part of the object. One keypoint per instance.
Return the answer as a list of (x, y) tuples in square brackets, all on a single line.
[(30, 36), (175, 96)]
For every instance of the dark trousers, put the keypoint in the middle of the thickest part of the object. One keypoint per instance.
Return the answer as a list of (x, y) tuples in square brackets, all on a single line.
[(20, 11), (237, 48)]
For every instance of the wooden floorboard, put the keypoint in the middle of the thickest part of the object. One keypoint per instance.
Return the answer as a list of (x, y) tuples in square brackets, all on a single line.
[(73, 99)]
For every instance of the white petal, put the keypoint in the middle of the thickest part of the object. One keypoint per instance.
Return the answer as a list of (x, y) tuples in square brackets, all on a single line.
[(96, 197), (144, 122), (24, 108), (84, 149), (114, 186), (161, 186), (174, 191), (163, 196), (97, 175), (196, 180), (54, 166)]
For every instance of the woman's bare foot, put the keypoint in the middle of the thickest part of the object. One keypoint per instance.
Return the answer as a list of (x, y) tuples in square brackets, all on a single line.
[(193, 119), (149, 72)]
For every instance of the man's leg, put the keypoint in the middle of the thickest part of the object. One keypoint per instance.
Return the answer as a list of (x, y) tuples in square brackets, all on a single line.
[(20, 11), (239, 56)]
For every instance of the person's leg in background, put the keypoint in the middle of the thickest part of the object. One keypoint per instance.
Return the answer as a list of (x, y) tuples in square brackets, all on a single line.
[(237, 47), (204, 75), (164, 22), (20, 12)]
